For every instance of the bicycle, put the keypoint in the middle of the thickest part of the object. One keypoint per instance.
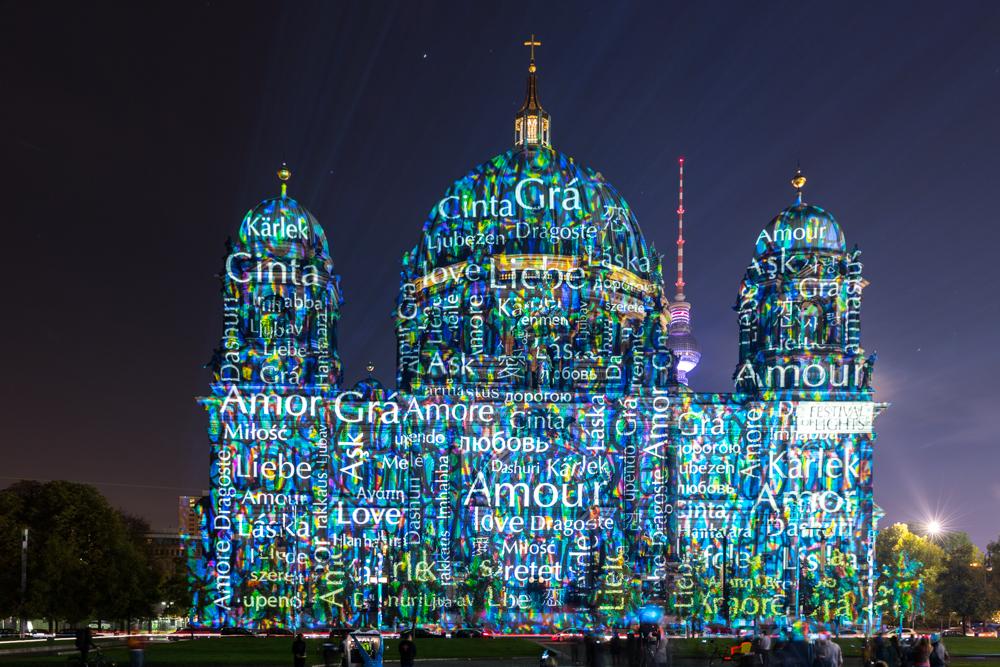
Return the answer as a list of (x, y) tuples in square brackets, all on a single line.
[(95, 659), (647, 657), (718, 653)]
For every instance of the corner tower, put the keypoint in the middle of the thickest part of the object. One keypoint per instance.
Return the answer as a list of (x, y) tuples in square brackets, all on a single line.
[(269, 459), (800, 311), (281, 301)]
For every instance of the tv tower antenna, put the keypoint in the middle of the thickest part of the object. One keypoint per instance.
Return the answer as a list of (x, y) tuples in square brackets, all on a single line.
[(680, 238)]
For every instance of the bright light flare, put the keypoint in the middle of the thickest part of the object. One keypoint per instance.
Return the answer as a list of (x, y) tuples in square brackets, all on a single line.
[(934, 527)]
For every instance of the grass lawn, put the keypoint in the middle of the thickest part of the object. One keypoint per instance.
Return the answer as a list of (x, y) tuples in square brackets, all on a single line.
[(957, 646), (505, 647), (272, 651), (697, 648), (972, 645)]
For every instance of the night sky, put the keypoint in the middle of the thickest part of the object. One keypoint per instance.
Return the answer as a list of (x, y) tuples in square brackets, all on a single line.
[(134, 137)]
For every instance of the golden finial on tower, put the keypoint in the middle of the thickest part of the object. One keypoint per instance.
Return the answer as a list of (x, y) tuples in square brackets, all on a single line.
[(532, 44), (798, 182), (371, 367), (284, 175)]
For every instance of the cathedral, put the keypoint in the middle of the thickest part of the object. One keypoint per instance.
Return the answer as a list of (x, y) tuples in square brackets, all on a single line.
[(541, 462)]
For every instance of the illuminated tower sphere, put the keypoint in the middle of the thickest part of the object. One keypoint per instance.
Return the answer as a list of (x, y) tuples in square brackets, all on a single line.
[(799, 310), (531, 271), (281, 300), (680, 340)]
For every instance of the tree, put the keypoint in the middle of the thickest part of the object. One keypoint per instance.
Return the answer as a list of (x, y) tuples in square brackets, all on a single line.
[(900, 590), (962, 584), (697, 596), (929, 557), (481, 586), (11, 525), (83, 556), (175, 589), (134, 589), (73, 531), (754, 595), (954, 541), (828, 589)]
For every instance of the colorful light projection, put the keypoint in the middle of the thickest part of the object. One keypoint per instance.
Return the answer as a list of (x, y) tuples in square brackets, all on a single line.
[(532, 272), (784, 511), (540, 466)]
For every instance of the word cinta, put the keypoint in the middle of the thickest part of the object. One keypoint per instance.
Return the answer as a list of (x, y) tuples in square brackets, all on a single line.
[(530, 194)]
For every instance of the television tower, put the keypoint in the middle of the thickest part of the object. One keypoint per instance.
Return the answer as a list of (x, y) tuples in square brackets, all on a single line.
[(680, 341)]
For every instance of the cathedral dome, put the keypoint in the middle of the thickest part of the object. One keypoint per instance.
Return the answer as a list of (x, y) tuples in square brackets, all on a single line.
[(532, 202), (531, 272), (282, 227), (801, 227)]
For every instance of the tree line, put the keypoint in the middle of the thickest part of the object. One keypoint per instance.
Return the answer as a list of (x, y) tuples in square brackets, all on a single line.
[(928, 581), (90, 562), (86, 560)]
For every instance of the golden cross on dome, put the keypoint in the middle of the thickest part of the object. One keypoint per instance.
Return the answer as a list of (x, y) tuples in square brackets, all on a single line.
[(532, 44)]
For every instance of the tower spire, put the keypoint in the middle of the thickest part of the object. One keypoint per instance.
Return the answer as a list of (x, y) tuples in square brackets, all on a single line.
[(680, 238), (284, 175), (798, 182), (531, 123), (680, 341)]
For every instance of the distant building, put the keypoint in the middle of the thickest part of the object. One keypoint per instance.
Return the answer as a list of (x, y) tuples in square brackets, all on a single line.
[(163, 547), (189, 523)]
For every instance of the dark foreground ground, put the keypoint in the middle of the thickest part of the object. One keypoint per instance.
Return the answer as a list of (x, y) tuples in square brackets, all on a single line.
[(504, 652)]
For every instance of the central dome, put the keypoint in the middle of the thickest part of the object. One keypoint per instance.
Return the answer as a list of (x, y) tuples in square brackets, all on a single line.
[(531, 272), (532, 202)]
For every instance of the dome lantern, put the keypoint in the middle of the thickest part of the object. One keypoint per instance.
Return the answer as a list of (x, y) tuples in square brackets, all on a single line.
[(532, 123)]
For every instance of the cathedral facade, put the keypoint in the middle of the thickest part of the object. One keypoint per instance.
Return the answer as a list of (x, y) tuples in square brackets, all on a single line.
[(541, 462)]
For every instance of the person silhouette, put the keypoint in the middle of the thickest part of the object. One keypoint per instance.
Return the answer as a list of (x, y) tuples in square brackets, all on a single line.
[(84, 642)]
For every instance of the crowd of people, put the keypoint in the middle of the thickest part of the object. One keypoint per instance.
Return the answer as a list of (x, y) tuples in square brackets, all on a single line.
[(795, 650), (792, 649), (649, 647), (923, 651)]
